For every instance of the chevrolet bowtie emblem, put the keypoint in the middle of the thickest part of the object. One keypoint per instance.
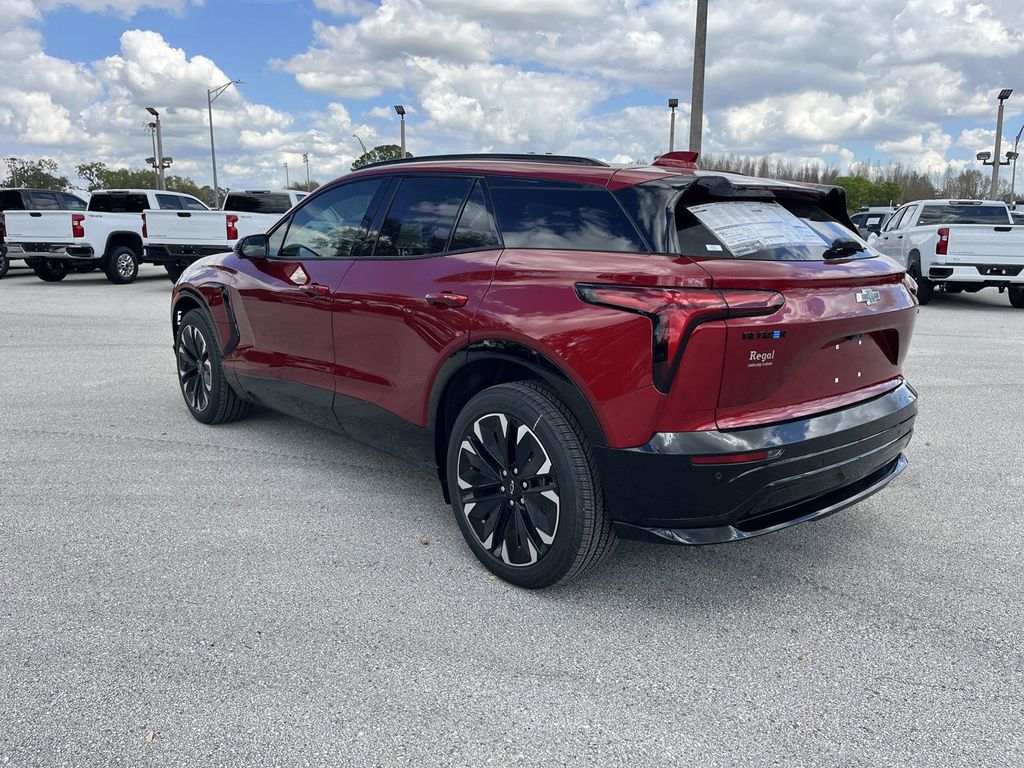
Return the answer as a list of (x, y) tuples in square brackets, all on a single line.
[(868, 296)]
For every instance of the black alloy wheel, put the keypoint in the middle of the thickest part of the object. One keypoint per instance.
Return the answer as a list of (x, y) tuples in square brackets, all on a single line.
[(207, 393)]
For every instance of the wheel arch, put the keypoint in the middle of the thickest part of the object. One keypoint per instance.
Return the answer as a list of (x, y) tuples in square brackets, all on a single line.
[(128, 239), (188, 299), (486, 363)]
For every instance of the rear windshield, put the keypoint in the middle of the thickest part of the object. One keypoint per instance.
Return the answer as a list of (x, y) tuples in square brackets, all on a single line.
[(763, 231), (963, 214), (273, 203), (111, 203)]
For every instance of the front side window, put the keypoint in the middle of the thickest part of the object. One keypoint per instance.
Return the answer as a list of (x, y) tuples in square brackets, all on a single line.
[(169, 202), (73, 203), (191, 204), (332, 225), (894, 222), (561, 215), (421, 217), (475, 229)]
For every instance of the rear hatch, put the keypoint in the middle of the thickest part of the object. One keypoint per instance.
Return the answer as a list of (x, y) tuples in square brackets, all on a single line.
[(846, 315), (38, 226)]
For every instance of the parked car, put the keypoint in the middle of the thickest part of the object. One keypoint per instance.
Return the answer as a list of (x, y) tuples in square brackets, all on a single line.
[(107, 234), (960, 245), (176, 238), (582, 352), (869, 219), (20, 199)]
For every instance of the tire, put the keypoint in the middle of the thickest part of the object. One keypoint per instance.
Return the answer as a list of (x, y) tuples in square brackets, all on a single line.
[(925, 287), (121, 265), (557, 528), (208, 396), (50, 270), (1016, 297), (174, 271), (5, 264)]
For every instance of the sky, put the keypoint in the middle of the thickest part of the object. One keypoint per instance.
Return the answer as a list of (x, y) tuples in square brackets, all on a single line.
[(839, 82)]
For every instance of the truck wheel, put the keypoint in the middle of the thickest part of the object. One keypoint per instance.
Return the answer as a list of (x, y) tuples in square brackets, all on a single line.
[(121, 265), (5, 264), (525, 490), (50, 270), (925, 287), (1017, 297), (174, 271), (208, 396)]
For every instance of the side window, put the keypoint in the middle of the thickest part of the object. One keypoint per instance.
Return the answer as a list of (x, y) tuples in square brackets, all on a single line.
[(331, 225), (277, 239), (560, 215), (476, 225), (421, 217), (114, 202), (191, 204), (169, 202), (73, 203), (45, 201), (894, 222)]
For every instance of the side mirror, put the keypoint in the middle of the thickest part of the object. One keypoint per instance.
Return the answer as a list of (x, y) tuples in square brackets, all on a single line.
[(253, 247)]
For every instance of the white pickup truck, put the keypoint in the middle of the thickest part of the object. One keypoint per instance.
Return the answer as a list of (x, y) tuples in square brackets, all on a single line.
[(107, 234), (960, 245), (177, 238)]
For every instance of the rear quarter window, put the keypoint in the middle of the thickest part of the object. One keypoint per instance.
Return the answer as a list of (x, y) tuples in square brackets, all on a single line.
[(563, 216), (963, 214)]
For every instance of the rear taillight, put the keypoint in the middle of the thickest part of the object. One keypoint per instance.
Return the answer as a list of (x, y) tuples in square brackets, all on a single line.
[(942, 246), (232, 220), (910, 283), (676, 312), (145, 231), (77, 225)]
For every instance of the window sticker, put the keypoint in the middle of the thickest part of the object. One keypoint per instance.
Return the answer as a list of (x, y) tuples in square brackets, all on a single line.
[(748, 227)]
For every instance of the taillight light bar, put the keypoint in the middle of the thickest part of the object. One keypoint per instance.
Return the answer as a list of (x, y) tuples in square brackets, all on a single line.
[(676, 312), (78, 225), (942, 245), (232, 220)]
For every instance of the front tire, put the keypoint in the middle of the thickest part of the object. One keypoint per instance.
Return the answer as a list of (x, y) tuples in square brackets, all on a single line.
[(121, 265), (50, 270), (1016, 297), (5, 264), (208, 396), (925, 287), (525, 491)]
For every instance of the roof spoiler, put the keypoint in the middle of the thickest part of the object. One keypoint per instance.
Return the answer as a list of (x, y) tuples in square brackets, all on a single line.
[(687, 160)]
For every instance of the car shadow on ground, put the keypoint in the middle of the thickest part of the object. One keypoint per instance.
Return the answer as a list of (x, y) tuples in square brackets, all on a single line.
[(988, 300)]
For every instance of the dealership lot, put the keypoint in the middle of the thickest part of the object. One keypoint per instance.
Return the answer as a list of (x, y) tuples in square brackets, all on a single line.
[(174, 594)]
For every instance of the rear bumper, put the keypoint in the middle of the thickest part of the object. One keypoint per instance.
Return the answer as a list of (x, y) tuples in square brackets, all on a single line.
[(180, 253), (815, 467), (51, 251), (985, 274)]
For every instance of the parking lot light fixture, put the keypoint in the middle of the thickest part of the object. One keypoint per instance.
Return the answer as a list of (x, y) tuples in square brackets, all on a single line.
[(211, 96), (996, 162), (400, 109), (161, 166), (672, 104)]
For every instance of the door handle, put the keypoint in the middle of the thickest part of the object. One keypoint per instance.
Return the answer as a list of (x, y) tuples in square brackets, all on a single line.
[(446, 299), (316, 289)]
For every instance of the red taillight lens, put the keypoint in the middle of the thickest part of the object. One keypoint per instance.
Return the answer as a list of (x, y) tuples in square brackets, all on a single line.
[(737, 458), (676, 312), (145, 232), (232, 220), (77, 225), (942, 246)]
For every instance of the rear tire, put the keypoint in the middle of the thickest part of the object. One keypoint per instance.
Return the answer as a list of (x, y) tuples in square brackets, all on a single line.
[(5, 264), (50, 270), (1016, 297), (121, 265), (525, 491), (925, 287), (174, 271), (208, 396)]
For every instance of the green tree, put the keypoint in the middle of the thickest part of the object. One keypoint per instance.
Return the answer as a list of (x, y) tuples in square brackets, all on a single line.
[(99, 176), (379, 154), (859, 191), (35, 174), (302, 186)]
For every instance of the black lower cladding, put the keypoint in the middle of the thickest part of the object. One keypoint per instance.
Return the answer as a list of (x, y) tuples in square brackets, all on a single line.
[(818, 465)]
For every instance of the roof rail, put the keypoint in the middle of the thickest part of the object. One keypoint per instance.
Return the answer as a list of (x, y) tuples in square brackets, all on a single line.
[(500, 157)]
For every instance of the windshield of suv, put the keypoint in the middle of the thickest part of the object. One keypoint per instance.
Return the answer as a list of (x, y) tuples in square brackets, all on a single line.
[(964, 214), (764, 231)]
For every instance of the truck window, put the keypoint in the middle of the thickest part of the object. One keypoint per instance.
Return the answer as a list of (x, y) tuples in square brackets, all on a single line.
[(191, 204), (964, 214), (271, 203), (112, 202), (169, 202), (10, 200), (45, 201), (73, 203)]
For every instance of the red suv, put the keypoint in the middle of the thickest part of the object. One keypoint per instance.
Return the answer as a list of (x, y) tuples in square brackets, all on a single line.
[(581, 350)]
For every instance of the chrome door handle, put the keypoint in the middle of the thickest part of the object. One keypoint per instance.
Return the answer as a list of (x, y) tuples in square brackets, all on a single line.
[(316, 289)]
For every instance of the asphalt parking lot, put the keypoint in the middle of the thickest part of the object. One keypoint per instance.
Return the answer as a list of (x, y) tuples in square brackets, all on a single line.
[(258, 594)]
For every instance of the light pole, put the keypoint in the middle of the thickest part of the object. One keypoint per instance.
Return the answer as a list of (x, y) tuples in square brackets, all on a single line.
[(401, 113), (996, 162), (305, 159), (1013, 179), (211, 96), (161, 180), (356, 137), (287, 181), (152, 160), (700, 50), (672, 104)]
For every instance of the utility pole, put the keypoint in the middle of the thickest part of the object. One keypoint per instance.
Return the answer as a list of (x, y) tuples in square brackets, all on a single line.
[(305, 159), (700, 50), (287, 181), (1003, 96), (211, 96), (161, 180), (401, 114), (672, 104), (156, 173)]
